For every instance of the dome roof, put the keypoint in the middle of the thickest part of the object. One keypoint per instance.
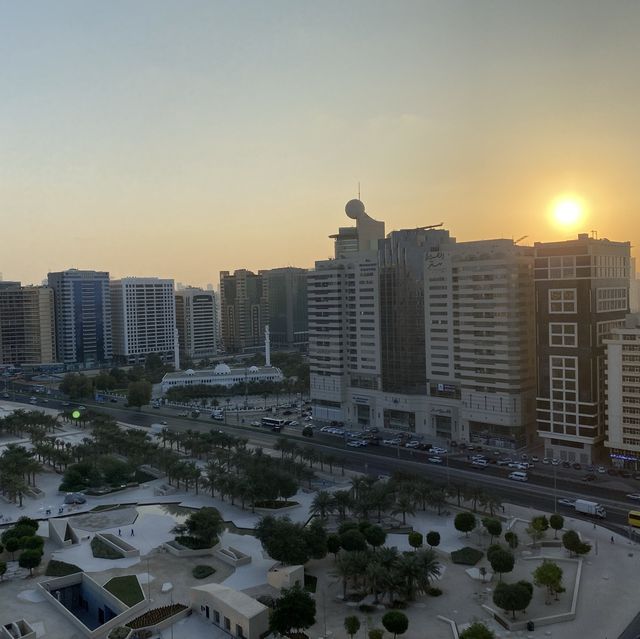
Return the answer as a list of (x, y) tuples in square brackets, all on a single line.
[(221, 369), (190, 371), (253, 369)]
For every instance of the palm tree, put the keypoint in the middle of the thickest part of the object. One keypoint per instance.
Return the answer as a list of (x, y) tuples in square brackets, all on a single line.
[(323, 504), (375, 574), (404, 505), (437, 499), (343, 503), (379, 498), (430, 568)]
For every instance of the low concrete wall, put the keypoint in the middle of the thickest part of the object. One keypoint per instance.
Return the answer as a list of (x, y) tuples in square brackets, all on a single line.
[(18, 629), (119, 545), (169, 621), (232, 556), (179, 550), (275, 511)]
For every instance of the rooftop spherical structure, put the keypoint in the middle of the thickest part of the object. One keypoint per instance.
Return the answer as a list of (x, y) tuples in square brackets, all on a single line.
[(354, 209), (253, 369), (221, 369)]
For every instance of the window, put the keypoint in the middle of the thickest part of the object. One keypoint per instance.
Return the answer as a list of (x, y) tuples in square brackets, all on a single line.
[(562, 300), (611, 299), (563, 334)]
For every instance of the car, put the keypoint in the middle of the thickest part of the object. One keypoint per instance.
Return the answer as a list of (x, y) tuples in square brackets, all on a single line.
[(590, 469), (546, 460), (434, 460), (438, 450), (66, 403), (634, 496), (566, 464), (535, 458), (81, 407), (524, 457), (255, 423), (602, 470), (113, 400), (565, 501), (163, 423), (391, 442), (287, 412), (576, 466), (589, 477), (384, 477), (295, 423), (324, 429), (503, 462), (625, 474), (555, 462), (353, 443), (412, 444)]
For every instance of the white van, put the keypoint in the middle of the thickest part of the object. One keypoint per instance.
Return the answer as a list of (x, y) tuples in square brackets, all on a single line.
[(519, 476), (480, 463)]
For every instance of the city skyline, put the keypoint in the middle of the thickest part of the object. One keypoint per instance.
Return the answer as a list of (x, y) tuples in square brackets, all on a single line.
[(183, 143)]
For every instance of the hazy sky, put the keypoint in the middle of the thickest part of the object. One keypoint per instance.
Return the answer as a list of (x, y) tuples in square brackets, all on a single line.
[(179, 138)]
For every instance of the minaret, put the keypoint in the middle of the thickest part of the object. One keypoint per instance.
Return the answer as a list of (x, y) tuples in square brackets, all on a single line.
[(267, 346)]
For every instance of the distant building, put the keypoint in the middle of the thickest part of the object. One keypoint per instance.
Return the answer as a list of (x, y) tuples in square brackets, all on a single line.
[(287, 307), (144, 319), (623, 393), (83, 316), (27, 325), (244, 310), (582, 294), (197, 322)]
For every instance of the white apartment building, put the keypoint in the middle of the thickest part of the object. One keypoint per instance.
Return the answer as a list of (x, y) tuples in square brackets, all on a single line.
[(623, 393), (144, 319), (480, 342), (197, 322)]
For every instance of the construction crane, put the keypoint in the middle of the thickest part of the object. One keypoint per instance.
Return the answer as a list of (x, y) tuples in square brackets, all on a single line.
[(432, 226), (524, 237)]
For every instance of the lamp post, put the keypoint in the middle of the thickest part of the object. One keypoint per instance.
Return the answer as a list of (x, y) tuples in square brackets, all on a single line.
[(555, 491)]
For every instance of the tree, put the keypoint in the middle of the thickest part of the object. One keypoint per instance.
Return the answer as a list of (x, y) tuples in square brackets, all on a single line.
[(537, 528), (139, 394), (284, 540), (333, 544), (30, 559), (76, 386), (315, 535), (395, 622), (465, 522), (477, 630), (433, 538), (548, 575), (375, 536), (12, 544), (352, 540), (351, 625), (512, 597), (493, 527), (501, 561), (376, 633), (512, 539), (295, 610), (556, 522), (322, 504), (571, 541), (205, 524), (3, 569), (415, 539)]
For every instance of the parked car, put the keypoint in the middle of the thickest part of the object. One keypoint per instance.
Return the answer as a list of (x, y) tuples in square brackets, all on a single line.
[(295, 423), (255, 423), (546, 460), (576, 466), (602, 470), (434, 460), (412, 444), (634, 496), (535, 458), (438, 450), (565, 501), (555, 461), (391, 442), (589, 477), (566, 464)]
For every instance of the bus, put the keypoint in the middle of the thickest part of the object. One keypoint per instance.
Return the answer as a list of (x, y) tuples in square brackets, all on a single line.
[(274, 423), (633, 519)]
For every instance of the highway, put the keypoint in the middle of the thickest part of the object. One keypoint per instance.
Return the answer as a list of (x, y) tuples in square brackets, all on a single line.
[(538, 493)]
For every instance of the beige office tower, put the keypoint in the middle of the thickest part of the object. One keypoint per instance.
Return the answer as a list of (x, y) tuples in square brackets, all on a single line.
[(27, 325)]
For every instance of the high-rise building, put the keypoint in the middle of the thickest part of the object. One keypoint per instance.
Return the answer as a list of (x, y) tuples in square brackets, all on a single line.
[(344, 331), (287, 304), (144, 319), (623, 393), (480, 343), (83, 316), (244, 310), (197, 322), (27, 325), (582, 293)]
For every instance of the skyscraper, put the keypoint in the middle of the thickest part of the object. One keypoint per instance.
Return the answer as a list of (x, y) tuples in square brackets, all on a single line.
[(197, 322), (144, 319), (244, 310), (582, 293), (27, 325), (83, 316), (287, 304)]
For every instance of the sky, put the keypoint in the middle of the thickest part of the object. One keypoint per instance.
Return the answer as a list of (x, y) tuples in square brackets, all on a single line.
[(181, 138)]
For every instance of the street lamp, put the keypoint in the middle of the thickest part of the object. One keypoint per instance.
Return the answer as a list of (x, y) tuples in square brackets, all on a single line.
[(555, 491)]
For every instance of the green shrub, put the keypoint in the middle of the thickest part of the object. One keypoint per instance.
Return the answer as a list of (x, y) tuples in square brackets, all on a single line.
[(366, 608), (202, 571), (467, 556), (193, 543)]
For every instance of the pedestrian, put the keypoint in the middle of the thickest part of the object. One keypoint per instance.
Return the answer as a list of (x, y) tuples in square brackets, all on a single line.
[(612, 540), (119, 532), (132, 534)]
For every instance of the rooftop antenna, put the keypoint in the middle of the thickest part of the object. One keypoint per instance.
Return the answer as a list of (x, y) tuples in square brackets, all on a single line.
[(358, 189), (594, 234)]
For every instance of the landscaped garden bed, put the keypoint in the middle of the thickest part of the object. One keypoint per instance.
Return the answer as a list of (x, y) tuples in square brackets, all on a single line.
[(467, 556), (100, 550), (202, 571), (126, 588), (156, 616), (57, 568), (275, 504)]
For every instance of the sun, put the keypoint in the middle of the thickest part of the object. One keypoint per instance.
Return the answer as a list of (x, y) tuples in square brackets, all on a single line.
[(567, 211)]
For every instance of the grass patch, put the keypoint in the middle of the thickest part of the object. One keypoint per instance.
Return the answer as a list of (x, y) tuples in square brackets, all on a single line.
[(57, 568), (467, 556), (202, 571), (193, 543), (310, 582), (100, 550), (156, 615), (126, 588)]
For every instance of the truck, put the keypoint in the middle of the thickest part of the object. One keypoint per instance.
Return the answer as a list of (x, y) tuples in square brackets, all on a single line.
[(590, 508)]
